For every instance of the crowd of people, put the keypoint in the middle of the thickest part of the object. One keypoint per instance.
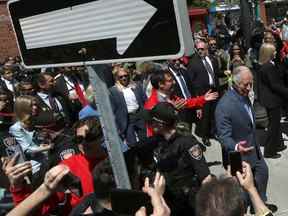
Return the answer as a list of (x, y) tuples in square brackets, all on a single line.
[(53, 154)]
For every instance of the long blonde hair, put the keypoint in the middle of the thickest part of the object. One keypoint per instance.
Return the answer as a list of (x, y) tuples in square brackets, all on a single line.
[(23, 108), (266, 53)]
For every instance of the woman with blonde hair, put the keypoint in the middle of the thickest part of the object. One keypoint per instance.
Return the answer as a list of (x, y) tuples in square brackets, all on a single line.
[(272, 94), (23, 130), (267, 53)]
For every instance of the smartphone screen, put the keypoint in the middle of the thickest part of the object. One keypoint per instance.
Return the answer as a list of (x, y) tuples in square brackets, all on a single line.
[(12, 148), (235, 161), (128, 202)]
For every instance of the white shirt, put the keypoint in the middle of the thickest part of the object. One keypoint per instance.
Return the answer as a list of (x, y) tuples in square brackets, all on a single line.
[(8, 84), (211, 81), (45, 98), (130, 99)]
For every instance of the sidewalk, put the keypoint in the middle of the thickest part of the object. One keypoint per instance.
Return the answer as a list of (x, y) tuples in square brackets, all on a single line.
[(278, 176)]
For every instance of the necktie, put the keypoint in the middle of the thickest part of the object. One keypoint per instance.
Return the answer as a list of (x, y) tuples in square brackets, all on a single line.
[(53, 103), (248, 108), (184, 85), (209, 69)]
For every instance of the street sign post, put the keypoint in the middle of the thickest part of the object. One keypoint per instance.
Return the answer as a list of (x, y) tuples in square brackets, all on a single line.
[(51, 32), (112, 140)]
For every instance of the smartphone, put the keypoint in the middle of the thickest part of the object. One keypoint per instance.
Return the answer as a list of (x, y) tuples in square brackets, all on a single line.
[(235, 162), (72, 183), (12, 148), (128, 202)]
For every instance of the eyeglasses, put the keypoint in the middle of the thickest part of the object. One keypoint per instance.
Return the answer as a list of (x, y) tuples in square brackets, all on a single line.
[(123, 76)]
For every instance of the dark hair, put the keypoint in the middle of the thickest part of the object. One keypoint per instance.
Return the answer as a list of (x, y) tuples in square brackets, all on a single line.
[(9, 95), (25, 81), (7, 67), (41, 79), (93, 124), (158, 76), (103, 180), (220, 198)]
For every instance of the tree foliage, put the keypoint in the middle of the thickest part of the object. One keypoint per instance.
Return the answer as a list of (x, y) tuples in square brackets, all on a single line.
[(199, 3)]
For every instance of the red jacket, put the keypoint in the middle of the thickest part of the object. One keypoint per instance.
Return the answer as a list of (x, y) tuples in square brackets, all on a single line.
[(79, 166), (284, 50), (190, 104)]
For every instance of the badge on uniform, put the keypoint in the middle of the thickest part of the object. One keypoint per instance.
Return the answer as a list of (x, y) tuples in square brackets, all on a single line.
[(196, 152)]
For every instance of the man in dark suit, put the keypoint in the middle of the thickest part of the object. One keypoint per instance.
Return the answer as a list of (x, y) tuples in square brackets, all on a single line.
[(202, 72), (48, 101), (181, 89), (235, 124), (71, 87), (127, 100), (6, 81)]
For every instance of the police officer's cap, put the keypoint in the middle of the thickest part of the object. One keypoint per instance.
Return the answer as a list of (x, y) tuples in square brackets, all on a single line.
[(163, 113)]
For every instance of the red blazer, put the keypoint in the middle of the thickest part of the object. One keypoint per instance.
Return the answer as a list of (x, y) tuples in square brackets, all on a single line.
[(191, 103)]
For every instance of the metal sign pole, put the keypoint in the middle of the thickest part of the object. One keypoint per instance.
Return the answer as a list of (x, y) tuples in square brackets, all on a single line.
[(112, 139)]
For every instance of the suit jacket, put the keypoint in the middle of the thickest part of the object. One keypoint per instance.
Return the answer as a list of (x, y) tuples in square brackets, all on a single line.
[(44, 107), (61, 87), (271, 88), (119, 105), (198, 75), (4, 86), (233, 124), (73, 106), (177, 88)]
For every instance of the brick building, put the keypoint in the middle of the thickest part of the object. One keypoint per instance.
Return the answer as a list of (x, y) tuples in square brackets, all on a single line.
[(8, 46)]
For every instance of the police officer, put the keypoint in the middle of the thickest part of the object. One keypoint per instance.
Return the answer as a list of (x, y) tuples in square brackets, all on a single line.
[(179, 158)]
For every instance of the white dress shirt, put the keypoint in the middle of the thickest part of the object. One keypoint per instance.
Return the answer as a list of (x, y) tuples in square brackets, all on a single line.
[(45, 98), (130, 99)]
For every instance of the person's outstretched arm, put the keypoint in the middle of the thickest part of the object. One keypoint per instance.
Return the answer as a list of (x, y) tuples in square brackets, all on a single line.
[(45, 190), (246, 180)]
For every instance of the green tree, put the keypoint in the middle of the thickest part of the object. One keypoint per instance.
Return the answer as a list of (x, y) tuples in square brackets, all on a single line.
[(199, 3)]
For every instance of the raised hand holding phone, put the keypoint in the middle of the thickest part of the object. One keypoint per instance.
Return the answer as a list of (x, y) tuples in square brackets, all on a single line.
[(16, 172), (235, 162), (160, 208)]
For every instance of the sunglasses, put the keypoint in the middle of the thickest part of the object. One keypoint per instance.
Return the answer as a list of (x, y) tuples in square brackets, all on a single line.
[(123, 76)]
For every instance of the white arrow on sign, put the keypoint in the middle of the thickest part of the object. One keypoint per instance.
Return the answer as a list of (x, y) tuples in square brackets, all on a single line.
[(97, 20)]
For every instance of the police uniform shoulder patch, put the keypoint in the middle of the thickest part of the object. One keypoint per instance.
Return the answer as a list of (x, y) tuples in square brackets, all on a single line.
[(196, 152)]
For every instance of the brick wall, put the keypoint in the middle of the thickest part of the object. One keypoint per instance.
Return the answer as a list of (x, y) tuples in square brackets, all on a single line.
[(8, 46)]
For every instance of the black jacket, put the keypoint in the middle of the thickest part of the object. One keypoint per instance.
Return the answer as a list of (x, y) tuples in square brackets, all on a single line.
[(198, 75), (271, 88), (181, 159), (63, 117), (120, 108)]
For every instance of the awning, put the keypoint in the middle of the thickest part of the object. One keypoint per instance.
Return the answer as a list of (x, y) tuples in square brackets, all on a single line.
[(198, 11)]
